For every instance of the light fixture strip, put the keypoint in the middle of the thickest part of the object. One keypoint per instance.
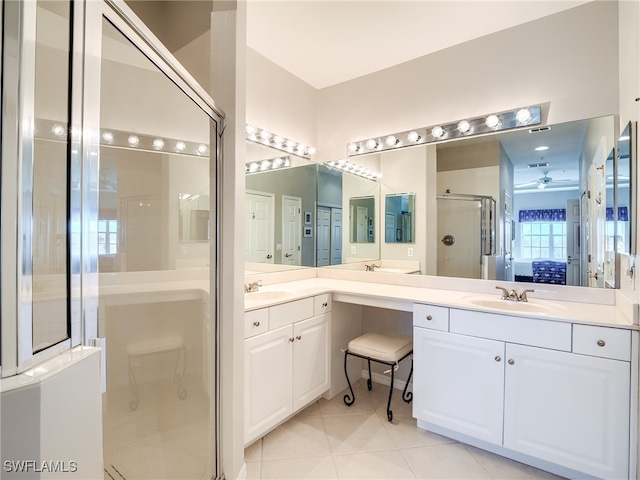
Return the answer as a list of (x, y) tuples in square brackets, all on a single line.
[(284, 144), (261, 166), (51, 130), (354, 169), (482, 125)]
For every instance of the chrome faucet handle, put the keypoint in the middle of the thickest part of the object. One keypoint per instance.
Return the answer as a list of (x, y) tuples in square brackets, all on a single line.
[(513, 295), (505, 292), (523, 295)]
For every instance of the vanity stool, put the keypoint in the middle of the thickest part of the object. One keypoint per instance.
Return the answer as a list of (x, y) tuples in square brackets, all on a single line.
[(385, 349), (168, 343)]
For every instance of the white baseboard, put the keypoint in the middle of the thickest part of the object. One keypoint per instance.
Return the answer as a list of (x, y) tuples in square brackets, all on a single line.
[(386, 380)]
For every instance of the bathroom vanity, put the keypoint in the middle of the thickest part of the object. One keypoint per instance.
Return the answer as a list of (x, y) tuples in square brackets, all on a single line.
[(552, 384)]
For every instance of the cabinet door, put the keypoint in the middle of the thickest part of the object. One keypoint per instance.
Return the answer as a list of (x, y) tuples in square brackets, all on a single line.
[(459, 383), (311, 377), (569, 409), (267, 381)]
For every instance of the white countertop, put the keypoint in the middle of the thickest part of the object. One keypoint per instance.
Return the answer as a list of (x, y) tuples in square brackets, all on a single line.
[(402, 297)]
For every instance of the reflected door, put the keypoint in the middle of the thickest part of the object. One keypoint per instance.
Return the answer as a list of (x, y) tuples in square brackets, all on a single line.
[(258, 227), (336, 236), (508, 237), (291, 230), (460, 238), (573, 242), (323, 236)]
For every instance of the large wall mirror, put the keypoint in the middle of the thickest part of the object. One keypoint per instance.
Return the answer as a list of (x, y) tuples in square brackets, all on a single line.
[(556, 218)]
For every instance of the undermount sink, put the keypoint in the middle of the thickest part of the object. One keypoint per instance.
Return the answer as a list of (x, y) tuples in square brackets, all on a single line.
[(532, 306), (266, 295)]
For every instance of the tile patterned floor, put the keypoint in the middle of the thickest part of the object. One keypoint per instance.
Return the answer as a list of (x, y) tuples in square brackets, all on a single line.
[(330, 441)]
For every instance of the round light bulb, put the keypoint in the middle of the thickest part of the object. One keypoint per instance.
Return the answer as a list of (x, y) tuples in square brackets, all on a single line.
[(392, 141), (251, 130), (492, 121), (277, 162), (311, 151), (278, 140), (353, 147), (437, 132), (464, 126), (300, 148), (133, 140), (180, 146), (253, 167), (371, 143), (265, 164), (202, 149), (290, 144), (264, 135), (158, 143), (413, 137), (523, 115), (57, 130), (107, 137)]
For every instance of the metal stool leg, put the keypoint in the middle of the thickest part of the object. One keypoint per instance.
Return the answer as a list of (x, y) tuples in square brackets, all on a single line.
[(133, 387), (389, 412), (348, 401), (369, 383), (179, 377), (408, 396)]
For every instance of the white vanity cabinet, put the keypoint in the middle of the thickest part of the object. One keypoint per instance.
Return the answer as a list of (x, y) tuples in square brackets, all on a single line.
[(552, 394), (287, 367)]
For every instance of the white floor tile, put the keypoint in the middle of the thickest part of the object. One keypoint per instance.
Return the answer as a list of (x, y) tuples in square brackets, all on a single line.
[(501, 468), (443, 462), (336, 405), (320, 468), (378, 465), (253, 453), (357, 434), (304, 437), (406, 434)]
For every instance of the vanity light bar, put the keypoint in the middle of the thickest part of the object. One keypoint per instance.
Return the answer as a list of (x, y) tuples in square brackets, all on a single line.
[(494, 122), (260, 135), (354, 169), (266, 165)]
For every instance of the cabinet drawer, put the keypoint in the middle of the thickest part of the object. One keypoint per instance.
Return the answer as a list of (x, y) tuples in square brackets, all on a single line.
[(321, 304), (428, 316), (602, 342), (255, 322), (522, 330), (291, 312)]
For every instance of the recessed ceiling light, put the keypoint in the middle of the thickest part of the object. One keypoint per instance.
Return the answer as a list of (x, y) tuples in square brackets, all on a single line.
[(541, 148)]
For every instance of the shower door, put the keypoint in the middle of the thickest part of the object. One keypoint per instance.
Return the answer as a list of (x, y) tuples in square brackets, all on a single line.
[(155, 144)]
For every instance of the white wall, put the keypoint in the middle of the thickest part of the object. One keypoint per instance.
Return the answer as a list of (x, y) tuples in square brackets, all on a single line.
[(568, 60), (279, 101)]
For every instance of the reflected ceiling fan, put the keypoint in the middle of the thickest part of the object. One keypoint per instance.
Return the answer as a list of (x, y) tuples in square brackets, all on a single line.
[(543, 181)]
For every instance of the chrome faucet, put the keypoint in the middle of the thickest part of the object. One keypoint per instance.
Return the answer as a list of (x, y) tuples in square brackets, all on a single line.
[(514, 296), (371, 268), (253, 286)]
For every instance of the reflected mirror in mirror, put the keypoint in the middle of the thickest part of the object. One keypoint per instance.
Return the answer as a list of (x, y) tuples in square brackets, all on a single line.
[(399, 217), (362, 219), (625, 169), (194, 217)]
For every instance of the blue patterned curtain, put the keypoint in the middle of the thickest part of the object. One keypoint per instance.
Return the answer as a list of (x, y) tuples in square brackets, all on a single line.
[(623, 214), (544, 215)]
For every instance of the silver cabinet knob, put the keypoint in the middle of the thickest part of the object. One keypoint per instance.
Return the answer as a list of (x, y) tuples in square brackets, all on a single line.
[(601, 343), (256, 324), (429, 317), (298, 337), (511, 361), (498, 358), (325, 305), (292, 339)]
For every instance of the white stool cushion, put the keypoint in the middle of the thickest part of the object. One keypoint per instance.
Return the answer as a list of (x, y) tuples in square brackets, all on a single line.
[(382, 347)]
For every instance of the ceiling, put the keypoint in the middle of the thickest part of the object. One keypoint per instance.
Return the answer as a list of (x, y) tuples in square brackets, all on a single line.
[(326, 42)]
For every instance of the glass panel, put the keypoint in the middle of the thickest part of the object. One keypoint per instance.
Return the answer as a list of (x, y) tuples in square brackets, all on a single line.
[(50, 173), (155, 144), (399, 212)]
